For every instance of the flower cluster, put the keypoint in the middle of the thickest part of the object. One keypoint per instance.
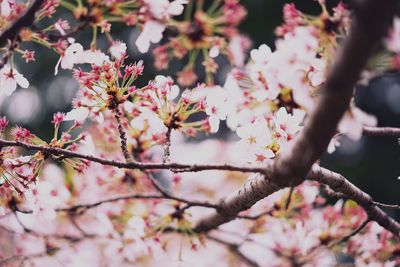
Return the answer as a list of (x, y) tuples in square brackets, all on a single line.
[(288, 80), (205, 34), (19, 172)]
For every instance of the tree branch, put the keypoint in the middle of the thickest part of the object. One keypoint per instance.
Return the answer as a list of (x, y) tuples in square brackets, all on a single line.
[(133, 164), (254, 185), (388, 206), (370, 23), (121, 130), (167, 144), (342, 185), (350, 235), (235, 249), (381, 131), (24, 20)]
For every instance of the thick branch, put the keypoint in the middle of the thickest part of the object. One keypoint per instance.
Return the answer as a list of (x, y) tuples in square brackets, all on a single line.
[(369, 24)]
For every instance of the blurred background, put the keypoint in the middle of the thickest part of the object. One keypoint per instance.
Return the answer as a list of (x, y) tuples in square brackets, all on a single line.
[(372, 163)]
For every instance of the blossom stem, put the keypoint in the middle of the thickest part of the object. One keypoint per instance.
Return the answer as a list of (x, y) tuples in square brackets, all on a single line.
[(122, 134), (167, 144)]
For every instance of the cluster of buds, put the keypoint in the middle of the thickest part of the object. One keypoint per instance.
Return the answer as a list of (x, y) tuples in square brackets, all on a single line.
[(18, 171), (327, 27), (205, 34), (159, 98), (105, 87), (154, 111)]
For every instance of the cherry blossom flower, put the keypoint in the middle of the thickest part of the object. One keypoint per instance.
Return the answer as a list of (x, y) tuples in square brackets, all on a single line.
[(61, 26), (77, 114), (6, 7), (256, 140), (237, 48), (152, 33), (118, 49), (392, 42), (153, 29), (10, 78), (166, 86), (217, 105), (353, 121), (261, 55), (58, 118), (75, 54), (287, 125), (186, 77), (28, 56), (335, 142)]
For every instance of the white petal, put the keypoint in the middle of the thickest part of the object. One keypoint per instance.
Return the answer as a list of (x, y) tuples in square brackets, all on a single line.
[(214, 51), (57, 66), (176, 7), (157, 30), (21, 80), (77, 114), (67, 62), (173, 93), (5, 8), (143, 43), (9, 86), (92, 57), (214, 123)]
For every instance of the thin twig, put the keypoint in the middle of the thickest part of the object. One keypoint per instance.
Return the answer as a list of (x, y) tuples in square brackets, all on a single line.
[(81, 208), (121, 130), (381, 131), (289, 198), (331, 193), (340, 184), (350, 235), (167, 145), (133, 164), (388, 206), (235, 249), (257, 216)]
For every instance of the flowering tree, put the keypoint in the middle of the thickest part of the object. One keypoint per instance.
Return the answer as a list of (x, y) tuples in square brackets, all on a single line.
[(121, 182)]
